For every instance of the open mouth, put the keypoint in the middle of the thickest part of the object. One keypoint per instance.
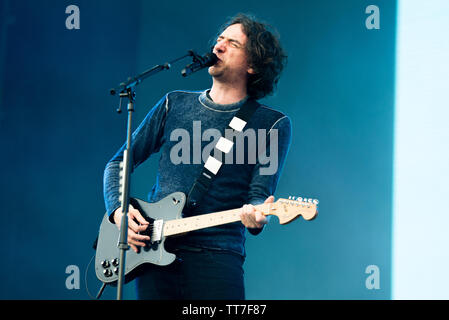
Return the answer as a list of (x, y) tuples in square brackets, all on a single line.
[(218, 58)]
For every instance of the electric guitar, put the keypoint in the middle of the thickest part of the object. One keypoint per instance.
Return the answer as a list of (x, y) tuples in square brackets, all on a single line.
[(165, 220)]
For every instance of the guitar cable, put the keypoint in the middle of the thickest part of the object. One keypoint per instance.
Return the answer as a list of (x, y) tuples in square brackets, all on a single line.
[(103, 286)]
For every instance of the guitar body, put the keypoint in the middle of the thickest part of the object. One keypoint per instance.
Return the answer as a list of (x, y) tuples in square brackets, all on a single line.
[(107, 255), (165, 219)]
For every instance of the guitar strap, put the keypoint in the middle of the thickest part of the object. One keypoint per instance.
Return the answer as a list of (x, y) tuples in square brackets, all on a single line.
[(212, 165)]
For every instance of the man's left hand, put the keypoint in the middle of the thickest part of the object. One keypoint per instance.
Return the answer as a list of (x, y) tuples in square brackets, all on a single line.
[(253, 218)]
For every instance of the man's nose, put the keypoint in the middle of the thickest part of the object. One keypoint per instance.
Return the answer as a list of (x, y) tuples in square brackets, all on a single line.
[(220, 46)]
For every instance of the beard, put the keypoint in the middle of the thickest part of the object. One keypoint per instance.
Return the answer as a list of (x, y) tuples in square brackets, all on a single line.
[(216, 72), (225, 74)]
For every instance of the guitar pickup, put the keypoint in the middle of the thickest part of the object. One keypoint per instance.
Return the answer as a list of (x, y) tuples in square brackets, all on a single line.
[(156, 235)]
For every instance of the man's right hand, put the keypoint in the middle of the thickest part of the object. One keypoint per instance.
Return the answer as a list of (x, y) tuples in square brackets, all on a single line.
[(136, 224)]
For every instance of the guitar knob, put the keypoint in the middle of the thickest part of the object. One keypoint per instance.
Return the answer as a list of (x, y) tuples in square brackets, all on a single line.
[(105, 263), (116, 270), (107, 272), (115, 262)]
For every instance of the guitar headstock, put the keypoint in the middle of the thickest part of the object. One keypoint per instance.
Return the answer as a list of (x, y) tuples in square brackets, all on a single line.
[(289, 209)]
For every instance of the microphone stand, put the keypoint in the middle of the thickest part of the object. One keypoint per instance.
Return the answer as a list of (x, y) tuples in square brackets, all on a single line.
[(127, 90)]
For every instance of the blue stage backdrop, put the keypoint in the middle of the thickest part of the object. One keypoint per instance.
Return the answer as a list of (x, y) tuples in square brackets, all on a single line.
[(59, 128)]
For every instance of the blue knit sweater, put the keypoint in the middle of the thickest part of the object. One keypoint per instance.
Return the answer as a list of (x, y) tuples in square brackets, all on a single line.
[(249, 173)]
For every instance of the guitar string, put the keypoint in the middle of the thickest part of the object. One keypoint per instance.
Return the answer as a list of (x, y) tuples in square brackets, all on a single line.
[(150, 228)]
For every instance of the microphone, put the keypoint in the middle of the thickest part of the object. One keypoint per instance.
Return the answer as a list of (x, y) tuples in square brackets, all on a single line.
[(209, 59)]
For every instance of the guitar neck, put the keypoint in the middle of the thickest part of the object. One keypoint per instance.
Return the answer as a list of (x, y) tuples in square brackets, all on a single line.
[(178, 226)]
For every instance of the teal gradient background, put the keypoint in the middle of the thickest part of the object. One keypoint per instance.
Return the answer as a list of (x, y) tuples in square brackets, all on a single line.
[(59, 128)]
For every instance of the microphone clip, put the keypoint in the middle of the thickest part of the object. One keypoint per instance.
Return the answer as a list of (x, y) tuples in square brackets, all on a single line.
[(196, 57)]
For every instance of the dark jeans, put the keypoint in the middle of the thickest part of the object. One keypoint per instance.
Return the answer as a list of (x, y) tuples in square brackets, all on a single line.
[(195, 275)]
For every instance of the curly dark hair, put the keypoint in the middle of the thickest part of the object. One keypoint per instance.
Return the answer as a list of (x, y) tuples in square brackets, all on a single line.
[(265, 54)]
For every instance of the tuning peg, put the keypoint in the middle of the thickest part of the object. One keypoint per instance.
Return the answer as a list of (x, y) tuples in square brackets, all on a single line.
[(289, 197), (299, 199), (315, 201), (309, 200)]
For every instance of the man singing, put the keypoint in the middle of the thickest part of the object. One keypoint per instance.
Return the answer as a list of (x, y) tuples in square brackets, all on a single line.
[(210, 261)]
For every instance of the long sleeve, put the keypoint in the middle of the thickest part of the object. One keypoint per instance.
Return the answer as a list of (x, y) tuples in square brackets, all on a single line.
[(146, 140), (269, 165)]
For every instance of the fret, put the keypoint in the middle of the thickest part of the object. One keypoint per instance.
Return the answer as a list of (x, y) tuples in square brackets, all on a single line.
[(178, 226)]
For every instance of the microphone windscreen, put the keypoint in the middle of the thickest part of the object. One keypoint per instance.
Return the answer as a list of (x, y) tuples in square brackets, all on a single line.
[(211, 59)]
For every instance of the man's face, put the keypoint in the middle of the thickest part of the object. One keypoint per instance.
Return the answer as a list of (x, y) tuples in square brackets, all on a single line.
[(230, 50)]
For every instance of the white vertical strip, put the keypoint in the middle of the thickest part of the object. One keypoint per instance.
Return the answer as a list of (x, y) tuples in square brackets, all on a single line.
[(421, 166)]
